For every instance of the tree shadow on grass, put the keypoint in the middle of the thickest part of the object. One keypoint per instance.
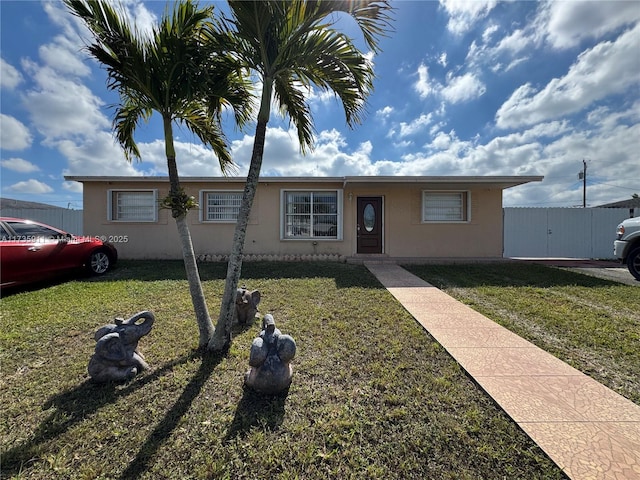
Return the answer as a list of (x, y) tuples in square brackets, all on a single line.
[(257, 410), (171, 420), (72, 407), (345, 275)]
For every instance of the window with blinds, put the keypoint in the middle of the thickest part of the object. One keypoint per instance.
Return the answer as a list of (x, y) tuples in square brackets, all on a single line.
[(445, 206), (221, 206), (133, 206), (311, 214)]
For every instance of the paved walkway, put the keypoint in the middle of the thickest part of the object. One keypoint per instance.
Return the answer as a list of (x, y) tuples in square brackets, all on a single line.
[(588, 430)]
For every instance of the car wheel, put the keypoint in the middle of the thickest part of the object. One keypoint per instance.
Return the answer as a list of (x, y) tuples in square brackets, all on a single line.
[(633, 263), (99, 262)]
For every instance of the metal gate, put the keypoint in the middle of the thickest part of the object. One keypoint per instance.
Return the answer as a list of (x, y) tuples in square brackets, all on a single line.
[(561, 232)]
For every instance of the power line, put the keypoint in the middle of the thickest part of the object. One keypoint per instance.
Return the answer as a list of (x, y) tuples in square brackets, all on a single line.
[(617, 186)]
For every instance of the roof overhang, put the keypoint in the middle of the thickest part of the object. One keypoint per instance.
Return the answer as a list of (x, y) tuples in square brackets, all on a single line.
[(457, 181), (426, 181)]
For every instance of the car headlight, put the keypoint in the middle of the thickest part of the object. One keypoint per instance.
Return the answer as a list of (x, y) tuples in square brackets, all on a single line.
[(620, 231)]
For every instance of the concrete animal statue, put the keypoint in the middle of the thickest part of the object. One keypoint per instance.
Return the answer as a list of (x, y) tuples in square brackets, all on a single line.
[(269, 359), (246, 305), (116, 356)]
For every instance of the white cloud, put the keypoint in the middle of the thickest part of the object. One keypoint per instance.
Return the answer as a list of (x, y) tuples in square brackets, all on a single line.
[(457, 89), (569, 23), (606, 69), (442, 59), (463, 14), (463, 88), (442, 140), (14, 135), (134, 10), (488, 32), (61, 107), (73, 187), (415, 126), (423, 86), (98, 155), (10, 77), (19, 165), (61, 55), (515, 42), (330, 157), (30, 186), (193, 159), (561, 24), (385, 112)]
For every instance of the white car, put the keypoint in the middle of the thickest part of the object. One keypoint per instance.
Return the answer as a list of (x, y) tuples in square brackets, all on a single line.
[(627, 245)]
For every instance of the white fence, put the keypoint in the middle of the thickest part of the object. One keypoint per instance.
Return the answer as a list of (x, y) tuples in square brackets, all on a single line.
[(62, 218), (561, 232)]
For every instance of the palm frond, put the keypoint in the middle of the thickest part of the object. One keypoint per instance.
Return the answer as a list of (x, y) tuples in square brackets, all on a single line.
[(208, 130), (374, 17), (294, 42), (292, 102), (125, 122)]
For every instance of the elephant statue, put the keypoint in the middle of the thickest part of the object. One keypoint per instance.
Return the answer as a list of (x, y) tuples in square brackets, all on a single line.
[(269, 359), (246, 305), (116, 356)]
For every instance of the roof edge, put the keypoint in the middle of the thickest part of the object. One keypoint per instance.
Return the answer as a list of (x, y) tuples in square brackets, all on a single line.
[(506, 180)]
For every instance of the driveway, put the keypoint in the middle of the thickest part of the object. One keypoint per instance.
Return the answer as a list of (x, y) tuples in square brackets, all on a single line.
[(608, 270)]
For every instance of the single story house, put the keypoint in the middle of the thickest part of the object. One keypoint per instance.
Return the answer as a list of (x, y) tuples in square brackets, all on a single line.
[(332, 218)]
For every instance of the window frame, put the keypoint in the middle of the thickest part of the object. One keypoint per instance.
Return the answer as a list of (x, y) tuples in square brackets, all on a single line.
[(465, 206), (112, 199), (204, 205), (339, 214)]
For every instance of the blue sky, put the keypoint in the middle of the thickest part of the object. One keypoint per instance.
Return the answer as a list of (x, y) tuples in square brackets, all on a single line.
[(463, 88)]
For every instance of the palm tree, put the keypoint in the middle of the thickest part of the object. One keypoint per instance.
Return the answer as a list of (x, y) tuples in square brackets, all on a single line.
[(172, 72), (290, 45)]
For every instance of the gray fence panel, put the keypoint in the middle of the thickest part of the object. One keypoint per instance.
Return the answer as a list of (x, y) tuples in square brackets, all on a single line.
[(569, 233), (561, 232), (525, 232), (64, 219)]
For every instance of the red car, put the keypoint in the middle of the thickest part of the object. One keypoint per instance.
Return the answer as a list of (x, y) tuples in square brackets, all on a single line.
[(31, 251)]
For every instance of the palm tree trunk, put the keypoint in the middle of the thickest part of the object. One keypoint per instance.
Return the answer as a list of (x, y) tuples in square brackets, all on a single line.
[(205, 325), (221, 338)]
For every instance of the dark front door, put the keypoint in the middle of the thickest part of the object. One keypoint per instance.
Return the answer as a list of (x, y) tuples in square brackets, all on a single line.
[(369, 225)]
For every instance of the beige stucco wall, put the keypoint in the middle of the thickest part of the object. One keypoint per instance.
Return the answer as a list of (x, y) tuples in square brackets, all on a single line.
[(404, 233)]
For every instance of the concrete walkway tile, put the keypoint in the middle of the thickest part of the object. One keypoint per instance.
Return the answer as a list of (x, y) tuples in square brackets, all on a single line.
[(507, 362), (558, 399), (592, 400), (421, 294), (395, 276), (589, 450), (486, 335), (457, 320), (445, 308)]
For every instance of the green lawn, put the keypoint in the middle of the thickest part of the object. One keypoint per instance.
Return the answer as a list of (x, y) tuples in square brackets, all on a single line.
[(373, 396), (592, 324)]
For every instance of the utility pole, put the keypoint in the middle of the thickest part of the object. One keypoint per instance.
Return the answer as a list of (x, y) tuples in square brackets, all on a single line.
[(583, 176)]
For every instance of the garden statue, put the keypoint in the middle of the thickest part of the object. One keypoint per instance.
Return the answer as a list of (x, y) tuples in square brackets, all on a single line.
[(246, 305), (116, 356), (269, 359)]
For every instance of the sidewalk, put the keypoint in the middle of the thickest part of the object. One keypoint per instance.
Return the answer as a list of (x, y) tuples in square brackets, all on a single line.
[(588, 430)]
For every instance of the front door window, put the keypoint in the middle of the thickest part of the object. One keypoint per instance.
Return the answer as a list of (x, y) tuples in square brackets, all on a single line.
[(369, 217)]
